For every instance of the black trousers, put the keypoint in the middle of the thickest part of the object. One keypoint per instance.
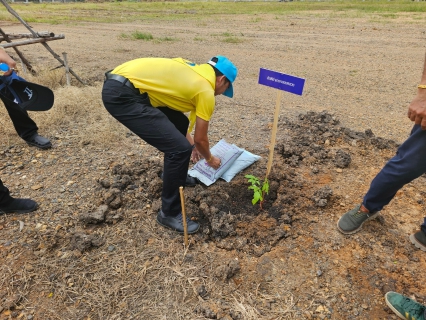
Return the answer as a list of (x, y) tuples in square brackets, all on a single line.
[(163, 128), (24, 125), (5, 197)]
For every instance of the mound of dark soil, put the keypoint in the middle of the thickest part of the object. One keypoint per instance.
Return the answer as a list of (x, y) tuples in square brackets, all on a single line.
[(306, 147)]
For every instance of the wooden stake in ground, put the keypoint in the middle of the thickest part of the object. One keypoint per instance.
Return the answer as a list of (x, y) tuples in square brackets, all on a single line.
[(67, 69), (273, 134), (185, 227)]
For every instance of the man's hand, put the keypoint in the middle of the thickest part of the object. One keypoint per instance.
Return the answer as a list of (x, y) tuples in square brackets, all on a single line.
[(5, 58), (214, 162), (196, 156), (417, 109)]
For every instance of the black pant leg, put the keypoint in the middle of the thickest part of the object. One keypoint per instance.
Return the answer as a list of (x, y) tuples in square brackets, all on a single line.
[(180, 121), (24, 125), (5, 197)]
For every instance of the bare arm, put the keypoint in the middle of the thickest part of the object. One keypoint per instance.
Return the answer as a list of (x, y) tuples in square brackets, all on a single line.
[(195, 156), (5, 58), (417, 107), (202, 142)]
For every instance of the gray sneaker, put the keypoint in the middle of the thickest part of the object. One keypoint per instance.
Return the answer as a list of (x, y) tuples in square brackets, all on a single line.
[(419, 240), (353, 220)]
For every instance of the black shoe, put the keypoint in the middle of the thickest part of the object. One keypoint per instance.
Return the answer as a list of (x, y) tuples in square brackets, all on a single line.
[(189, 182), (176, 223), (38, 141), (19, 206)]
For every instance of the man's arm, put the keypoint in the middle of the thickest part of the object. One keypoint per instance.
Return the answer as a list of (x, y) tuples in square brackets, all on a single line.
[(5, 58), (195, 156), (417, 107), (201, 141)]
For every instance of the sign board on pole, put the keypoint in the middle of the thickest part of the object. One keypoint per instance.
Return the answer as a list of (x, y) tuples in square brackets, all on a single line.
[(281, 81)]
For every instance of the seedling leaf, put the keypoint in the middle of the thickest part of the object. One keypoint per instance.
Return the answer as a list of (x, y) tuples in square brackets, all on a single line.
[(259, 189), (256, 197)]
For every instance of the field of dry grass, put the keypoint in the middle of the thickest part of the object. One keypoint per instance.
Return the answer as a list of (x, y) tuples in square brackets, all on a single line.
[(287, 262)]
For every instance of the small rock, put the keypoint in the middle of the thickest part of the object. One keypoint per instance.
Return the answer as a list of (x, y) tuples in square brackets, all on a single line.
[(202, 292), (98, 216), (342, 159), (320, 309)]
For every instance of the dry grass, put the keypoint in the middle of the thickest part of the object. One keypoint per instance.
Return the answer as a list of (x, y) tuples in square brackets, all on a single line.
[(140, 273)]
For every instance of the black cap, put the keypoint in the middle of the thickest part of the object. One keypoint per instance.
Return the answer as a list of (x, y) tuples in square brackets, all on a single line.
[(29, 96)]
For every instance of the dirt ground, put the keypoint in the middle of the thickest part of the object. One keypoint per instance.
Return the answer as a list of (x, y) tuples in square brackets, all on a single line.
[(93, 250)]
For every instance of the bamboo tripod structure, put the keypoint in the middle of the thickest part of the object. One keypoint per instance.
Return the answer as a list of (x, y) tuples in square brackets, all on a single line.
[(35, 38)]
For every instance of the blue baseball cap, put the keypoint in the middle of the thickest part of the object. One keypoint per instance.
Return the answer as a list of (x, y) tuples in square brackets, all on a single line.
[(224, 65)]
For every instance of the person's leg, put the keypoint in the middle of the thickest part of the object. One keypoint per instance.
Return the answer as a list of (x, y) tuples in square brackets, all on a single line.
[(181, 123), (25, 126), (136, 113), (154, 127), (408, 164), (9, 204), (5, 198)]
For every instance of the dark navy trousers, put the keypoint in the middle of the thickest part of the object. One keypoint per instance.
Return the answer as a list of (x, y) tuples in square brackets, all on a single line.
[(24, 125), (163, 128), (408, 164)]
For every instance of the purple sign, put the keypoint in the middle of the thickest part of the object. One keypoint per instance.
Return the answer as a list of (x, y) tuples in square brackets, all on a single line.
[(281, 81)]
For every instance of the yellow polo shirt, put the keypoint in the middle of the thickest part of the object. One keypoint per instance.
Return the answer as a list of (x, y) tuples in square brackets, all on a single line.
[(175, 83)]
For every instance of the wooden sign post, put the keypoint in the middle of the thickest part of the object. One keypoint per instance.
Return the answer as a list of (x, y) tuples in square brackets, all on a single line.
[(185, 227), (283, 82)]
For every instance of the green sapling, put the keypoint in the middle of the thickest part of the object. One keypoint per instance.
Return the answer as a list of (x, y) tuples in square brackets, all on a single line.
[(259, 189)]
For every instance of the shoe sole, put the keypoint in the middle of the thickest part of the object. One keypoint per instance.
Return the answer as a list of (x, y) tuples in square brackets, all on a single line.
[(20, 211), (180, 232), (374, 216), (31, 144), (416, 243), (392, 307)]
